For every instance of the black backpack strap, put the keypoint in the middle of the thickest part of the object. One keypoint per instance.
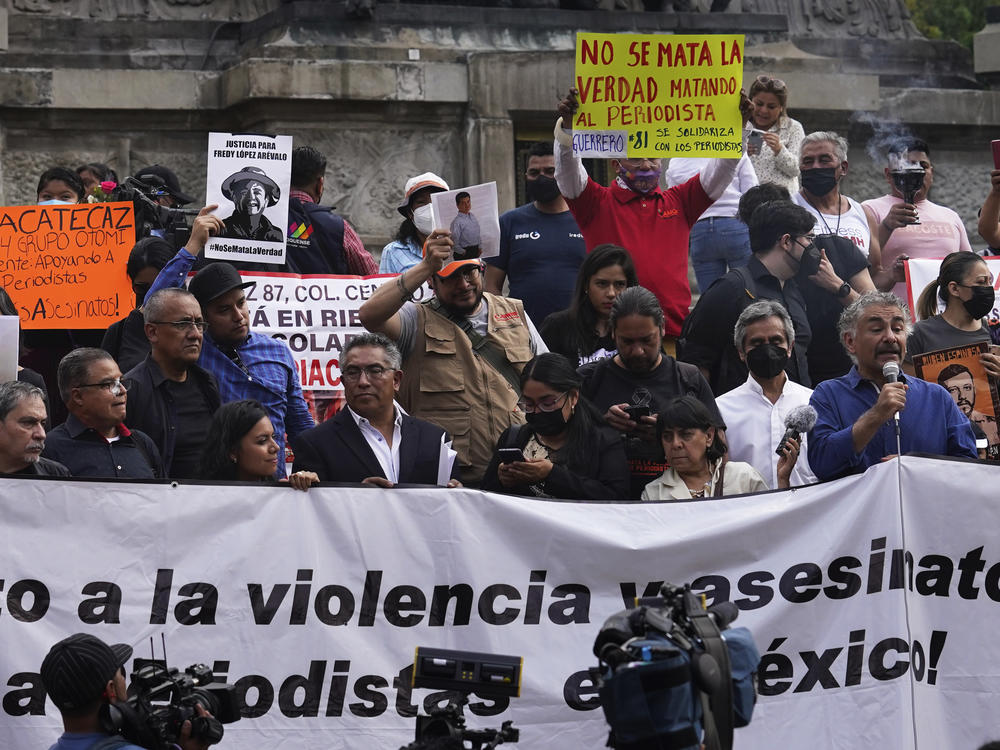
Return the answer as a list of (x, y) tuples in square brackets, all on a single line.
[(749, 285), (481, 344), (718, 718)]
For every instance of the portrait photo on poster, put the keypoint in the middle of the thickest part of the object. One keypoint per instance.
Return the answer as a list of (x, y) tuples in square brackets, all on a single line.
[(960, 372), (249, 178), (472, 217)]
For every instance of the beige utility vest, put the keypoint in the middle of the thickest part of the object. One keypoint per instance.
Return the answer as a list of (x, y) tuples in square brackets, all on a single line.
[(447, 383)]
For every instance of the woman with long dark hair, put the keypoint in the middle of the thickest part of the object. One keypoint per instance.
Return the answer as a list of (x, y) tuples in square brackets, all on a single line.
[(582, 332), (565, 450), (694, 450), (240, 446), (965, 286)]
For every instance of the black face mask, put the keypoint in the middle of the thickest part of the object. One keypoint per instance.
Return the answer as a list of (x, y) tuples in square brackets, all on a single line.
[(819, 181), (542, 189), (546, 422), (141, 290), (767, 360), (981, 303), (810, 261)]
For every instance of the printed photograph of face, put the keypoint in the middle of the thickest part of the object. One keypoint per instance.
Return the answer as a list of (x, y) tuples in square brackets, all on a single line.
[(968, 386), (472, 216), (251, 192)]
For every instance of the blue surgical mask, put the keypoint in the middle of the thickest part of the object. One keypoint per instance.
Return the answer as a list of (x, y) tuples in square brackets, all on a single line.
[(56, 202)]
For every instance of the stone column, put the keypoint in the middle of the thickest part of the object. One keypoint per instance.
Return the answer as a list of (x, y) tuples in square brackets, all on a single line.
[(986, 48)]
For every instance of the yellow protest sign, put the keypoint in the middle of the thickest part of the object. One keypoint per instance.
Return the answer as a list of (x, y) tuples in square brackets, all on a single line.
[(658, 95)]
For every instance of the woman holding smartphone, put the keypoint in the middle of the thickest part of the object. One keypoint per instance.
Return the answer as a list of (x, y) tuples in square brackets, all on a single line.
[(773, 144), (564, 450)]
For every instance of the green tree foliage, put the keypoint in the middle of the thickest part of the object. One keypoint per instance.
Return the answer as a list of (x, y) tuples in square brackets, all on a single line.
[(954, 19)]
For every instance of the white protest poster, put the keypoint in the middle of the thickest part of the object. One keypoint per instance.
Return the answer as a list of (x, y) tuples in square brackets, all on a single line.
[(922, 271), (472, 216), (316, 315), (870, 599), (249, 178), (10, 330)]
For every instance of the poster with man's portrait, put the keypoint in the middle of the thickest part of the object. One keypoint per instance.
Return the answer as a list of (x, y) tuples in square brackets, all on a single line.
[(249, 178), (959, 371), (472, 216)]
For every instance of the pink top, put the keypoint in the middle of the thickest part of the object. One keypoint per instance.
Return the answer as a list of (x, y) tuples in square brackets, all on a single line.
[(940, 231)]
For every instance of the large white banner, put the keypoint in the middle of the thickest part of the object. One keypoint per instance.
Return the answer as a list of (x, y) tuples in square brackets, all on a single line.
[(870, 598)]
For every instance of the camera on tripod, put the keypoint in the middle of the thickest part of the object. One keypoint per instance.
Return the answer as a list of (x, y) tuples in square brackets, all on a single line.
[(161, 699), (672, 674), (463, 672)]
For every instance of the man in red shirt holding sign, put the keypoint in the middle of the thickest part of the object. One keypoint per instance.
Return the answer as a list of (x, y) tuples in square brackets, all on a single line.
[(651, 223)]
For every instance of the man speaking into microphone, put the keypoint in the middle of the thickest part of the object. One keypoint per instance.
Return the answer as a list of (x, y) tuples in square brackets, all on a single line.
[(861, 414)]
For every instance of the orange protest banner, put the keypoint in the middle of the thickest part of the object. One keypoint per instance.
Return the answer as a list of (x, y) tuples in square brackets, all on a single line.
[(64, 266)]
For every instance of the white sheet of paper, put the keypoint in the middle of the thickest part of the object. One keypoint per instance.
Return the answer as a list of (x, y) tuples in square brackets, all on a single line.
[(483, 212), (10, 326), (446, 460)]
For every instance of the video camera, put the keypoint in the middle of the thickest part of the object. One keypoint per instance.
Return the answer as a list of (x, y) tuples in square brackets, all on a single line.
[(149, 214), (161, 699), (463, 672), (668, 674)]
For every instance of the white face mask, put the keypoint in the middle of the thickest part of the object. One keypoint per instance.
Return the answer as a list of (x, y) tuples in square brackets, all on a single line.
[(423, 220), (55, 202)]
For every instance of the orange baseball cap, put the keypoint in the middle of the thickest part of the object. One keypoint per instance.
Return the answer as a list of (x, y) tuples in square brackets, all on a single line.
[(450, 268)]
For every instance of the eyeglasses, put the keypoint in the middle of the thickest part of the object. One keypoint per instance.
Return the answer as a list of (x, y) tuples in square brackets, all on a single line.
[(547, 404), (469, 273), (181, 326), (115, 387), (374, 372), (775, 84)]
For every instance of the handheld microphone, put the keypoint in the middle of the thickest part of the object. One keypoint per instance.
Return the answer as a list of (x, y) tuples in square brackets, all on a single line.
[(890, 371), (800, 419)]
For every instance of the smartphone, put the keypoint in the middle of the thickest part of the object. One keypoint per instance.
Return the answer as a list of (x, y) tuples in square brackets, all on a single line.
[(510, 455), (634, 412), (996, 154), (756, 139)]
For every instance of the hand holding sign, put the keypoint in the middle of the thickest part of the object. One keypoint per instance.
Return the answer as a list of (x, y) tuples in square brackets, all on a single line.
[(567, 108), (438, 249), (205, 225)]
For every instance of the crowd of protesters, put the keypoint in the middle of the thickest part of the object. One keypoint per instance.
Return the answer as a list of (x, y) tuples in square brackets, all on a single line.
[(592, 378)]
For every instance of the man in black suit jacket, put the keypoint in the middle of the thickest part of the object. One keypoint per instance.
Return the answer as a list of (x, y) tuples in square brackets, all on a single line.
[(371, 440)]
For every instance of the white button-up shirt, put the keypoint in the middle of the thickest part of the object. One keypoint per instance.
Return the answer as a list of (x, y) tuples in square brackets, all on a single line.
[(388, 456), (755, 426)]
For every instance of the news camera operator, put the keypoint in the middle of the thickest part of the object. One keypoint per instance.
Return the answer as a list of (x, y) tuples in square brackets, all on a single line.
[(85, 678)]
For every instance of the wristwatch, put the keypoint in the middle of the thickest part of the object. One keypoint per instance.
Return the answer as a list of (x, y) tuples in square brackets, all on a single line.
[(844, 290)]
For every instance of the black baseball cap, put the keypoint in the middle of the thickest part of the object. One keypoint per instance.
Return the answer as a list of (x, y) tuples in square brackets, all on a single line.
[(76, 669), (216, 279), (164, 177)]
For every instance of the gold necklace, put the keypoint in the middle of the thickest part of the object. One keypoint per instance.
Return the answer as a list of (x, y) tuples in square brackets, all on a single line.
[(701, 492)]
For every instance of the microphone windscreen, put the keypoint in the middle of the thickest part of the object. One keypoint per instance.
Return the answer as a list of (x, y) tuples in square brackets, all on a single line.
[(890, 371), (801, 418)]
